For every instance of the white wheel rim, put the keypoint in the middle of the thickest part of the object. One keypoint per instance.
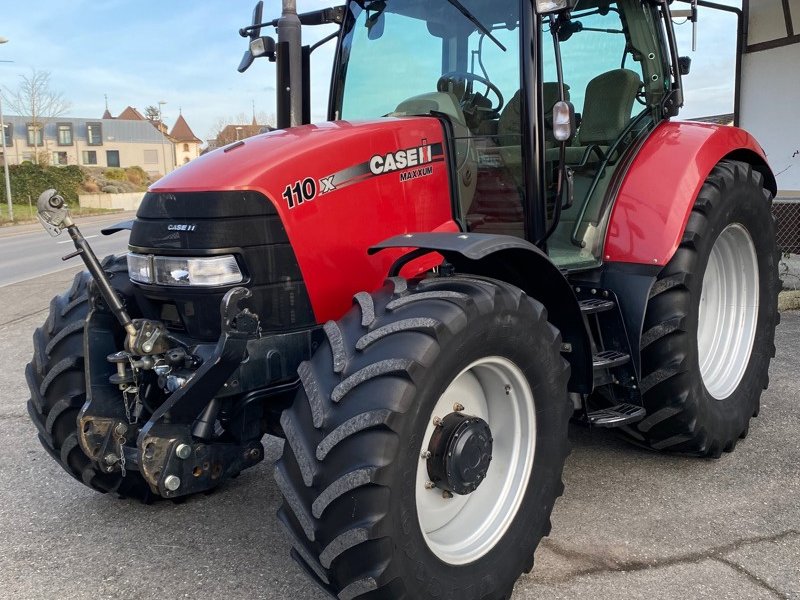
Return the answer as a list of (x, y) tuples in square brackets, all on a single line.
[(462, 529), (728, 313)]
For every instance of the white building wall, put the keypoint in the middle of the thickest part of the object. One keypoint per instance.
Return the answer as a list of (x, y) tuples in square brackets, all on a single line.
[(770, 96)]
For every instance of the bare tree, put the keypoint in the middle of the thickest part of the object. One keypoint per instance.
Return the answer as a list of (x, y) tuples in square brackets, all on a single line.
[(151, 113), (34, 98)]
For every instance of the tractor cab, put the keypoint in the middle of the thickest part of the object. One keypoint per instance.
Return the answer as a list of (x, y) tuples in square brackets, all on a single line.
[(476, 63)]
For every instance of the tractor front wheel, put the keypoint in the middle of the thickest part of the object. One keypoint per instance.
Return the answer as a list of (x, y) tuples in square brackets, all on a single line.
[(424, 453), (57, 382), (710, 324)]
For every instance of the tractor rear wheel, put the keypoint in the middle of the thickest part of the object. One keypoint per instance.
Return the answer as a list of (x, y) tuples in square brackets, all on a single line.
[(710, 324), (58, 386), (425, 450)]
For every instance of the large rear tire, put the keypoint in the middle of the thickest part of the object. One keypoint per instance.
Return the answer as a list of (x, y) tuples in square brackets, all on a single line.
[(361, 519), (57, 384), (710, 324)]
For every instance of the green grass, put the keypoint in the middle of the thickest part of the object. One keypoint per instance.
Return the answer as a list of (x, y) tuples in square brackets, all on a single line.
[(27, 214)]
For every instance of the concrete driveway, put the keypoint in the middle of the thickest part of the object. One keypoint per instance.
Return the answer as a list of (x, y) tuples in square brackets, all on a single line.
[(632, 524)]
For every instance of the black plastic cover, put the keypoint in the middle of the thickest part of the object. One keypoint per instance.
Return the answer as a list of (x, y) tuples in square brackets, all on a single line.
[(242, 223)]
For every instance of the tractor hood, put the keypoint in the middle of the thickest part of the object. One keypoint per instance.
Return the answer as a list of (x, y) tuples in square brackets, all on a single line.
[(312, 198), (270, 162)]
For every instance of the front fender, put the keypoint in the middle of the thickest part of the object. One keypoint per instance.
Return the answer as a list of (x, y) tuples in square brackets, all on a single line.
[(522, 264), (658, 192)]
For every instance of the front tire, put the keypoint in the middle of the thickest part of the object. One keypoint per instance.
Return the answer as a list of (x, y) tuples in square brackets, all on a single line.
[(352, 473), (57, 384), (710, 323)]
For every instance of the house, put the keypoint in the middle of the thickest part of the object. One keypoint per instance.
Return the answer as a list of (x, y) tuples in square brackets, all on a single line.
[(770, 87), (233, 133), (187, 144), (89, 142)]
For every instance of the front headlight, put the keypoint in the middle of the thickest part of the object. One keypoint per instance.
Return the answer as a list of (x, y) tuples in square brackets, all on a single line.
[(184, 271)]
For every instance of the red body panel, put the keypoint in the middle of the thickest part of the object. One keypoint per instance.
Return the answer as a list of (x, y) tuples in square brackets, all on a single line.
[(661, 185), (331, 233)]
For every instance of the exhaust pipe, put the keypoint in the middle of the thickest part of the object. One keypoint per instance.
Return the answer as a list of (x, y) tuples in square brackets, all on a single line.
[(290, 67)]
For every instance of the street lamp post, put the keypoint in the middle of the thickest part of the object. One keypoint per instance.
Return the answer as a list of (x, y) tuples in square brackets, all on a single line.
[(5, 153), (161, 123)]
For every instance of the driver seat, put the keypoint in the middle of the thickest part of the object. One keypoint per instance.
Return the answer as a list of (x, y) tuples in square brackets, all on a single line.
[(608, 106), (607, 109)]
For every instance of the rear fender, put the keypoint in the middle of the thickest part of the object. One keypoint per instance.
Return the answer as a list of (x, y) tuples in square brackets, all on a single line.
[(522, 264), (658, 192)]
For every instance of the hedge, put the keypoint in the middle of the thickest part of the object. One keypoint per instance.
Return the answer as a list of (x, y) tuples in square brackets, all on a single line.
[(31, 180)]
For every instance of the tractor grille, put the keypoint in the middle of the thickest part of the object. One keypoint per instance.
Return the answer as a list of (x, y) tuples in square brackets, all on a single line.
[(787, 215), (244, 224)]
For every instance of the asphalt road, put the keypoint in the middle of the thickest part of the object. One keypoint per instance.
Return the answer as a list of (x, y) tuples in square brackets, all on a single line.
[(631, 525), (28, 251)]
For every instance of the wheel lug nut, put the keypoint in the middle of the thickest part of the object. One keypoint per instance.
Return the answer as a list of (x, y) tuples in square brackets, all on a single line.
[(426, 455), (447, 495), (429, 485), (172, 482), (437, 422), (183, 451), (111, 459), (458, 407)]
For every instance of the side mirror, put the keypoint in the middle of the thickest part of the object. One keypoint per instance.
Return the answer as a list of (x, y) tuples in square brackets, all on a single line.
[(685, 65), (565, 124), (254, 32), (546, 7)]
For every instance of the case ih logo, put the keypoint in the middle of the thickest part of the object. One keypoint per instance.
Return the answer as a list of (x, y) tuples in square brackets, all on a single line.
[(402, 159), (411, 161)]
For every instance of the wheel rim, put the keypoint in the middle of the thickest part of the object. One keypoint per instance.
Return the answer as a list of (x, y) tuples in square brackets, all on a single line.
[(462, 529), (728, 313)]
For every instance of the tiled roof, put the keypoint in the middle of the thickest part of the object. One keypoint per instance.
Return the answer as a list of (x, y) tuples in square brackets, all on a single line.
[(181, 132), (232, 133), (131, 114)]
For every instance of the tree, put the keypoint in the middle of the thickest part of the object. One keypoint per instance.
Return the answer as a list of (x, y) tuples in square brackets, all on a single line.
[(151, 113), (35, 99)]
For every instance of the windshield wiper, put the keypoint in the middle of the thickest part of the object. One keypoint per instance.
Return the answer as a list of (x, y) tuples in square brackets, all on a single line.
[(464, 11)]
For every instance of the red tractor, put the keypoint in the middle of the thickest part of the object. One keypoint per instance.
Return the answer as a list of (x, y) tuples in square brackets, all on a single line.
[(501, 228)]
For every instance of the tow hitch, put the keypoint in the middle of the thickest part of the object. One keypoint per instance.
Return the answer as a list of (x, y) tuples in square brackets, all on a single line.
[(175, 449)]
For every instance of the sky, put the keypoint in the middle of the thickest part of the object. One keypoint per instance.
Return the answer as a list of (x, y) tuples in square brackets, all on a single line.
[(186, 53)]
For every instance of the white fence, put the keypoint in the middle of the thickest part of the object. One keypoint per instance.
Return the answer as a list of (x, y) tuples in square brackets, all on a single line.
[(129, 201)]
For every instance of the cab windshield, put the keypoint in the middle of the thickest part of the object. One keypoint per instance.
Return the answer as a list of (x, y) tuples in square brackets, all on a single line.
[(411, 57)]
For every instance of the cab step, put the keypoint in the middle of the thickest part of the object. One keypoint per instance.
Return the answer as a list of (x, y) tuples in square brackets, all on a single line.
[(593, 306), (608, 359), (616, 416)]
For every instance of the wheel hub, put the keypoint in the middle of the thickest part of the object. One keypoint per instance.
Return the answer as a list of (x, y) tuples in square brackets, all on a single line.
[(460, 452)]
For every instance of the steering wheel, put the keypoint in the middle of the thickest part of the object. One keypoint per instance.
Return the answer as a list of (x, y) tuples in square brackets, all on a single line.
[(470, 101)]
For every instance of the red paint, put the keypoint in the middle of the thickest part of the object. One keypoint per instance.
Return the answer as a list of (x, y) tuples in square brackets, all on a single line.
[(332, 233), (661, 185)]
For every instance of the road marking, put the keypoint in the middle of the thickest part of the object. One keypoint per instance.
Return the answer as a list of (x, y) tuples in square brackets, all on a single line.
[(88, 237), (24, 279)]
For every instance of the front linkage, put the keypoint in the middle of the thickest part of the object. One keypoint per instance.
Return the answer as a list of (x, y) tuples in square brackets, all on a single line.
[(176, 450)]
